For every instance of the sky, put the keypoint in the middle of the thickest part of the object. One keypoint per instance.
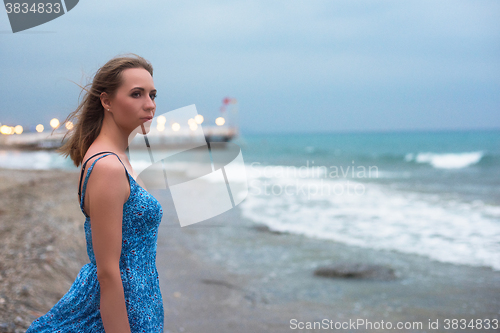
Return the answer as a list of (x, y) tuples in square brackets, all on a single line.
[(293, 66)]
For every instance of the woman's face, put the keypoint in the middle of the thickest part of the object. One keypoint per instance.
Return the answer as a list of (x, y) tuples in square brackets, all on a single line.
[(134, 103)]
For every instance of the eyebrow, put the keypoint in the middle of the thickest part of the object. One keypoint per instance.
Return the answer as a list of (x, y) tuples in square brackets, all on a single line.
[(142, 89)]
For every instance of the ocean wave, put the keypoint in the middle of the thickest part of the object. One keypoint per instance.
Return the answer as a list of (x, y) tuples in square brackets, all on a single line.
[(379, 217), (446, 160)]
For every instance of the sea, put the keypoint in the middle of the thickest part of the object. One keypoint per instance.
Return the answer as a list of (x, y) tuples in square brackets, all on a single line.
[(434, 194)]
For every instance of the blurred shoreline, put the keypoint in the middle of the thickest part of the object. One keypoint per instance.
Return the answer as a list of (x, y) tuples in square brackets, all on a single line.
[(224, 274)]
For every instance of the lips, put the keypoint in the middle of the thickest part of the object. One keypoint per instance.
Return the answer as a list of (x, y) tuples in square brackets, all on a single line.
[(147, 118)]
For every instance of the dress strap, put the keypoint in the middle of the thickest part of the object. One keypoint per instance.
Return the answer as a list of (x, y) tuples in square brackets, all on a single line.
[(81, 192), (83, 169)]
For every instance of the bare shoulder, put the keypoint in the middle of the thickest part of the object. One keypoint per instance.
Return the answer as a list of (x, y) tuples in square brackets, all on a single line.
[(108, 165), (109, 179)]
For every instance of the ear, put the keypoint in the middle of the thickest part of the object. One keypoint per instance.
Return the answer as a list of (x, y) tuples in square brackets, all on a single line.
[(105, 101)]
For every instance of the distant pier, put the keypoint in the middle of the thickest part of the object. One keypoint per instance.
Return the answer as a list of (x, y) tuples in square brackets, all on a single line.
[(167, 139)]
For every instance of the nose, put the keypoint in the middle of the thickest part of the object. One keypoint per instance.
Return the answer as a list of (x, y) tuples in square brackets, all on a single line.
[(150, 104)]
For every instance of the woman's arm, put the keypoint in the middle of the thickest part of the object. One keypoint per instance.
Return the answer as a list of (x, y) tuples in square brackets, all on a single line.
[(108, 190)]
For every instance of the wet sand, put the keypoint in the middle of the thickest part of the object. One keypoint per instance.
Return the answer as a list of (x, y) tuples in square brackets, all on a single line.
[(226, 274)]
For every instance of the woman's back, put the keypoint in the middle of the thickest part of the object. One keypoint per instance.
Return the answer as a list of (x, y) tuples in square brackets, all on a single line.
[(79, 309)]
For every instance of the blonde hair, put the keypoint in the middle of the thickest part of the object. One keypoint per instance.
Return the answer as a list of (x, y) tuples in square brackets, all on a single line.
[(89, 114)]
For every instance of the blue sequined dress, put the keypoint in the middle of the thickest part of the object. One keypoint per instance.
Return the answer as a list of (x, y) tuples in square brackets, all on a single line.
[(78, 310)]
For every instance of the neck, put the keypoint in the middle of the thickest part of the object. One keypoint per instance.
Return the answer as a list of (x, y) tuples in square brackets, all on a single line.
[(112, 135)]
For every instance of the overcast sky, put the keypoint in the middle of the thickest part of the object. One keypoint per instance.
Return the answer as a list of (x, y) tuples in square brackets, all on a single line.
[(305, 66)]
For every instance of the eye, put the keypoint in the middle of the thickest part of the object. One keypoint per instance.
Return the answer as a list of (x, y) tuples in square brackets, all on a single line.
[(153, 96), (136, 94)]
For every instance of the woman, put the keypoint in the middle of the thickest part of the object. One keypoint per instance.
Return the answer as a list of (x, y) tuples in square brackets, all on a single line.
[(118, 291)]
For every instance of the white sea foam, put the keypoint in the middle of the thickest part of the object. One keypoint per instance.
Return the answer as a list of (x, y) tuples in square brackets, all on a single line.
[(377, 216), (33, 160), (447, 161)]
